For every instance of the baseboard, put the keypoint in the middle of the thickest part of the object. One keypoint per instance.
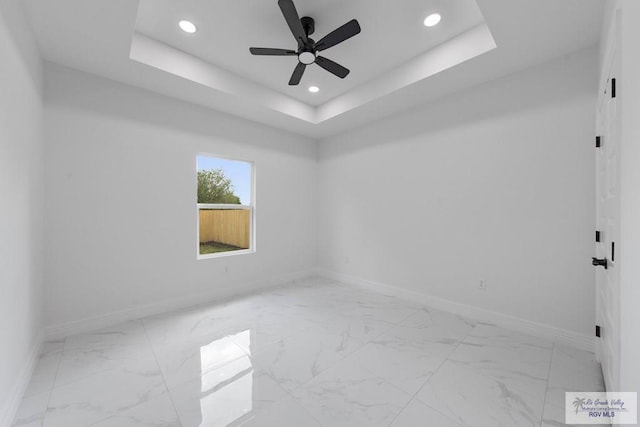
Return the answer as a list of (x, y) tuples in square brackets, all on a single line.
[(219, 295), (506, 321), (10, 407)]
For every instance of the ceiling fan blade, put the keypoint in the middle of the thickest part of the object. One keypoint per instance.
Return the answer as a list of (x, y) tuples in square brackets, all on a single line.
[(339, 35), (293, 20), (271, 52), (297, 74), (332, 67)]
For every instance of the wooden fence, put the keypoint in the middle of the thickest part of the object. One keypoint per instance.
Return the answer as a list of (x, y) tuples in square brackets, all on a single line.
[(229, 226)]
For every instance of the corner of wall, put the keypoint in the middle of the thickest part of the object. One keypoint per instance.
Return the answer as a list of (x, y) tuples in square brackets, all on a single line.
[(12, 402), (21, 209)]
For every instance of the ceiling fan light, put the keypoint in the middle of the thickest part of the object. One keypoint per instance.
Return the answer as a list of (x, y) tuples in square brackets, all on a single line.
[(432, 20), (187, 26), (307, 58)]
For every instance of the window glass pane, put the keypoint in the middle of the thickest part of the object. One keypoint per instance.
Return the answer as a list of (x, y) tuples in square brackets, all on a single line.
[(224, 230), (223, 181)]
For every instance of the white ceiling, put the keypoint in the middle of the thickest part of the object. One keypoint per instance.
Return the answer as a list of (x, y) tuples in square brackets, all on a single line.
[(395, 63), (392, 33)]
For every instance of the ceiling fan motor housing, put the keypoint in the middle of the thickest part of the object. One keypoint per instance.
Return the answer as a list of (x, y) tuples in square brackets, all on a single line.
[(308, 24), (307, 53)]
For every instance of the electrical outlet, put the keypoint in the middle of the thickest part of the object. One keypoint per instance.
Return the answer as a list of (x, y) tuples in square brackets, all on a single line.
[(482, 285)]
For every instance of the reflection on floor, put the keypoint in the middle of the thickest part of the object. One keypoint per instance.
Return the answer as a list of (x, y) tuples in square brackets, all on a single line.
[(314, 354)]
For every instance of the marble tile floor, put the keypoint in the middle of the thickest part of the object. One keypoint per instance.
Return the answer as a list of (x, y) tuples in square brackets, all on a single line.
[(318, 353)]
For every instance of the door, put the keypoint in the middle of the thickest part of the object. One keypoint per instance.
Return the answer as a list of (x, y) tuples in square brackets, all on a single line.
[(608, 219)]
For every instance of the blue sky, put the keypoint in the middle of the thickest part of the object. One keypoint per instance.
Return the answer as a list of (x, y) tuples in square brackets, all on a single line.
[(239, 173)]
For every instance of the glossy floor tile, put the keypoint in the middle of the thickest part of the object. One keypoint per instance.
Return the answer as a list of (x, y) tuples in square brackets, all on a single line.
[(347, 395), (234, 392), (316, 353)]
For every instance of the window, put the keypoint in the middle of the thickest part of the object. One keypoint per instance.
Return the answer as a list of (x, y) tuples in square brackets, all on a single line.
[(225, 206)]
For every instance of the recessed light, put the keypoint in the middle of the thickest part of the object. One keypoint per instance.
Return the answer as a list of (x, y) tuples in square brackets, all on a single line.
[(432, 20), (314, 89), (187, 27)]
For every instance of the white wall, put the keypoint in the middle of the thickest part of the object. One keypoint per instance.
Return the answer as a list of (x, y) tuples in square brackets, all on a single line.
[(21, 201), (121, 194), (495, 183)]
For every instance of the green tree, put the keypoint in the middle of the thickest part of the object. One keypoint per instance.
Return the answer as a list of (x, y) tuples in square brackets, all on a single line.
[(214, 187)]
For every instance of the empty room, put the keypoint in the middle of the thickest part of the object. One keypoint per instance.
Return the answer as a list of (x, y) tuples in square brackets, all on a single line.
[(297, 213)]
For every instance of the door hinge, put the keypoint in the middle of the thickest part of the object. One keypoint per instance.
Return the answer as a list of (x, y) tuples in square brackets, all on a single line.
[(598, 142), (613, 251), (597, 236), (613, 88), (598, 331)]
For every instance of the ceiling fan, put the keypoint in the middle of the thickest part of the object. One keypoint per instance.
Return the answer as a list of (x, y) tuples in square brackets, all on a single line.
[(308, 49)]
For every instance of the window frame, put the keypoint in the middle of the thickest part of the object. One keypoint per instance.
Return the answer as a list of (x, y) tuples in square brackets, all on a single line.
[(250, 207)]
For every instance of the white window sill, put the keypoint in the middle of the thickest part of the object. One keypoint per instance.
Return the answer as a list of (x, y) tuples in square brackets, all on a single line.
[(225, 254)]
